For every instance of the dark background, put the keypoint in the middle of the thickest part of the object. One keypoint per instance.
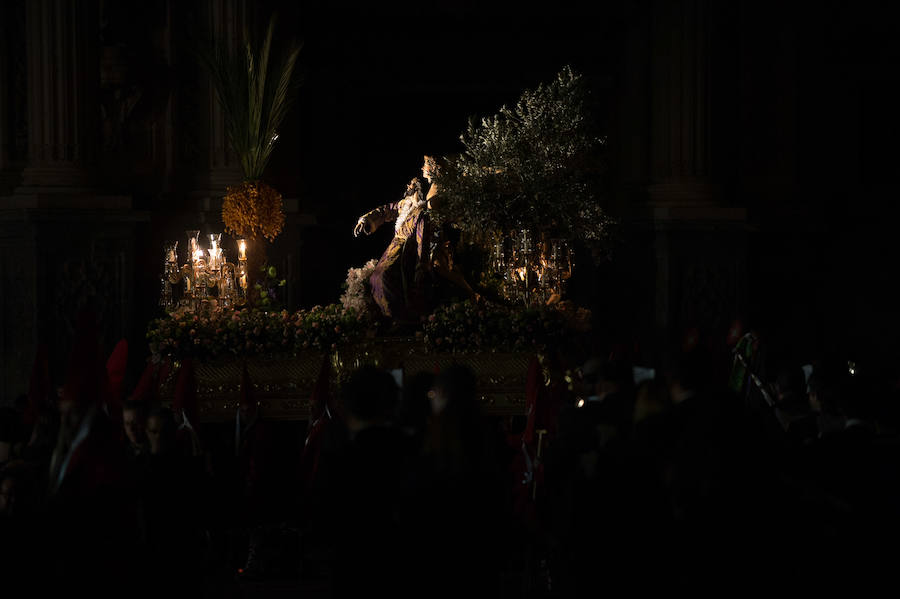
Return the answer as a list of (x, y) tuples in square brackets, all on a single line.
[(802, 134)]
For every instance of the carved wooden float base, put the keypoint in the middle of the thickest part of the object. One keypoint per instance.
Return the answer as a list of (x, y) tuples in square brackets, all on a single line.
[(282, 385)]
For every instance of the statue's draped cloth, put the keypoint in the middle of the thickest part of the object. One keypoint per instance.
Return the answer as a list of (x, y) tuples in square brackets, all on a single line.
[(400, 279)]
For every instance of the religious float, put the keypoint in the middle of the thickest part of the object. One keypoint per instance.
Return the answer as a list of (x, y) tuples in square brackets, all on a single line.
[(475, 274)]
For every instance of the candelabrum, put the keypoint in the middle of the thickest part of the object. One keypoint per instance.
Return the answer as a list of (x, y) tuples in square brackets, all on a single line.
[(533, 269), (207, 275), (170, 275), (556, 268)]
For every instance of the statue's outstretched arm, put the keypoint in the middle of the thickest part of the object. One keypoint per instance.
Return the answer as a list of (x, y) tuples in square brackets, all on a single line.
[(370, 221)]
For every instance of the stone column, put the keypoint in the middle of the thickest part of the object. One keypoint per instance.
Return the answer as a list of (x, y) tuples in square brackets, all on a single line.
[(12, 94), (63, 83), (224, 20), (699, 236), (680, 103), (63, 243), (5, 86)]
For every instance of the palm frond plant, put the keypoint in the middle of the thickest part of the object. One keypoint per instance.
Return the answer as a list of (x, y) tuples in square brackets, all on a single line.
[(255, 99)]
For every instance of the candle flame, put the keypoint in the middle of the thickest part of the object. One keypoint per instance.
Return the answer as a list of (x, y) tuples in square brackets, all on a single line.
[(214, 257)]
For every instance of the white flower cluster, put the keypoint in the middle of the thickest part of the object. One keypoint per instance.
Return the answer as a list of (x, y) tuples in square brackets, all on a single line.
[(357, 287)]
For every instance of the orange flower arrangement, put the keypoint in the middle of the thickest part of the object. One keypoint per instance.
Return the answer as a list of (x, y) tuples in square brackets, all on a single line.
[(253, 209), (254, 100)]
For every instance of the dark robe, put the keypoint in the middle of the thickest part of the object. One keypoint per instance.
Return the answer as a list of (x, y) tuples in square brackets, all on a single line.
[(399, 281)]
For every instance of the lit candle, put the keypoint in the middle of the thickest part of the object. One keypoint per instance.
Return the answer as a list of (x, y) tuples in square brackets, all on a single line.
[(242, 249), (214, 258), (193, 243), (242, 274), (171, 252)]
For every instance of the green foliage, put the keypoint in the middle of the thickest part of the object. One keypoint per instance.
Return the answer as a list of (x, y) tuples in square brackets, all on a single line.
[(254, 98), (223, 333), (464, 327), (532, 166), (267, 292)]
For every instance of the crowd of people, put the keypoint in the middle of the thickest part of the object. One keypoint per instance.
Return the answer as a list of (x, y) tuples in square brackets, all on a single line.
[(684, 476)]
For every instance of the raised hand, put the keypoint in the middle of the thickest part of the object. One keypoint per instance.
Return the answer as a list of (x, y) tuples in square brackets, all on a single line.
[(362, 226)]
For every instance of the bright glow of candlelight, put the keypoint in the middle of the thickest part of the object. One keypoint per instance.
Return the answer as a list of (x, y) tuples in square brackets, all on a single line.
[(242, 250), (214, 257), (198, 255)]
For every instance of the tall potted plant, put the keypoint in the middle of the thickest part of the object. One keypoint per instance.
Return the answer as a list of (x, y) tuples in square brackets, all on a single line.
[(254, 99)]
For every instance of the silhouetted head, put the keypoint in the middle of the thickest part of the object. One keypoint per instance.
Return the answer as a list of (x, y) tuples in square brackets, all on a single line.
[(161, 430), (454, 387), (370, 395), (688, 373), (791, 385), (134, 420), (415, 405), (604, 376), (825, 385), (651, 398)]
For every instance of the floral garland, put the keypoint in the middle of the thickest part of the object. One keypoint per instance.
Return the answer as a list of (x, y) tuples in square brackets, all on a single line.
[(225, 332), (468, 327), (455, 328)]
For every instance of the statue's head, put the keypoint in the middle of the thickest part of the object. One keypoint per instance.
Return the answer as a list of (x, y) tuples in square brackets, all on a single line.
[(414, 187), (430, 168)]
